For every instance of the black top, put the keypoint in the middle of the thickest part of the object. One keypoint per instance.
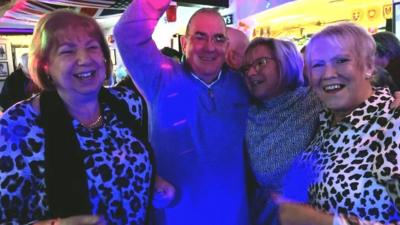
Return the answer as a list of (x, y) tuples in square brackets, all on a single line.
[(14, 89)]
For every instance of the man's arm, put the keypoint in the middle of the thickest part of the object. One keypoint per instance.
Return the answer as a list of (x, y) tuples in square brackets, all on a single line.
[(133, 34)]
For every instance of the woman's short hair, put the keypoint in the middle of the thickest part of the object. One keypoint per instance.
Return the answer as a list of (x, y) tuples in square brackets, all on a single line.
[(289, 60), (45, 39), (387, 44), (346, 35)]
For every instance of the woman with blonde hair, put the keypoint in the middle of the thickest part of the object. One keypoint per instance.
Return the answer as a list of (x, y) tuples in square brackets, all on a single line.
[(355, 155)]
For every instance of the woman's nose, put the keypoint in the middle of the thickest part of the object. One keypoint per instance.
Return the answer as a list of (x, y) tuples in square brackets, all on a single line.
[(251, 71), (330, 71), (83, 56)]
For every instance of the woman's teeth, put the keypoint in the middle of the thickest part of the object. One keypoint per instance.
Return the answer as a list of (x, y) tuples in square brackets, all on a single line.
[(84, 75), (333, 87), (255, 82)]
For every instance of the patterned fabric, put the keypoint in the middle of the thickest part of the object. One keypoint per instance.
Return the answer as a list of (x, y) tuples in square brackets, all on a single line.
[(357, 163), (117, 165), (278, 130)]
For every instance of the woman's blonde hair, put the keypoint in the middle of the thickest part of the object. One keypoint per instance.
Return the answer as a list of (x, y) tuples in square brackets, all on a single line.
[(349, 35)]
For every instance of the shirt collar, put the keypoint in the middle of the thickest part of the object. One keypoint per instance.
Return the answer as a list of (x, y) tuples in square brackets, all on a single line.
[(204, 83)]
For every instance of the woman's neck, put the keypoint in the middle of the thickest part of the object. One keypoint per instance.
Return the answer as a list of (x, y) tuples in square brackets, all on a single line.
[(86, 110), (340, 115)]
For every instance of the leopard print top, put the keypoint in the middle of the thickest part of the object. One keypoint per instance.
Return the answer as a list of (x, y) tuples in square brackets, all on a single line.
[(118, 165), (357, 163)]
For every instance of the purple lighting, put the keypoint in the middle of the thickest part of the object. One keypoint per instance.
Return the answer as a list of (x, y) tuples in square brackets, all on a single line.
[(15, 31)]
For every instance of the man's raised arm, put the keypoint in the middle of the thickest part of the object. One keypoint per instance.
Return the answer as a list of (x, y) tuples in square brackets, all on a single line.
[(133, 34)]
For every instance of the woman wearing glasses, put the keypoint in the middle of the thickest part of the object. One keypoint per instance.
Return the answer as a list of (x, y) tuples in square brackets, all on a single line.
[(282, 121)]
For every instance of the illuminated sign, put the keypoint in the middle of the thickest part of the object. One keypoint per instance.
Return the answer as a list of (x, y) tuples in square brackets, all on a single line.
[(228, 19)]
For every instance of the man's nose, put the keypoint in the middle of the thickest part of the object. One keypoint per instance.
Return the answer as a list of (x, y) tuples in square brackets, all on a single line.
[(210, 44)]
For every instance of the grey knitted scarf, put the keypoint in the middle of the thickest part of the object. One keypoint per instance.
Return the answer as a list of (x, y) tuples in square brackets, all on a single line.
[(277, 131)]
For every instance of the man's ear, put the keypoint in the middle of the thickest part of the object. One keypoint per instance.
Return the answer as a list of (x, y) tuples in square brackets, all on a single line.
[(183, 43), (230, 57)]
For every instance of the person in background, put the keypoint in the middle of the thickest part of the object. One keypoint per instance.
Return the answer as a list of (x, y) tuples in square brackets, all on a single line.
[(198, 110), (170, 52), (3, 69), (18, 86), (76, 153), (355, 155), (281, 122), (238, 42), (387, 60)]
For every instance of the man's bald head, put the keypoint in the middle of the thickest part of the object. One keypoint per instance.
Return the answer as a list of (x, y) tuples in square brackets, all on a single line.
[(238, 42)]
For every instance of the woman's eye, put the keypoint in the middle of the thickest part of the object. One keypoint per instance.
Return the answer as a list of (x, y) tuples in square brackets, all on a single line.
[(65, 51), (316, 65), (342, 60), (261, 62), (93, 47)]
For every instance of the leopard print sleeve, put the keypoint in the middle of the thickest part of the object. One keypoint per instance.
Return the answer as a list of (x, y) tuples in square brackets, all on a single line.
[(133, 99), (21, 171), (386, 163)]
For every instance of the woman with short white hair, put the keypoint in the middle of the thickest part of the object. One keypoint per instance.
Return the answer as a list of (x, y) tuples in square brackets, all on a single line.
[(355, 155)]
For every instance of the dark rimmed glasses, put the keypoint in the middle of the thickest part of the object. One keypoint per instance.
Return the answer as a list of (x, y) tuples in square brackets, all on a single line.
[(257, 64)]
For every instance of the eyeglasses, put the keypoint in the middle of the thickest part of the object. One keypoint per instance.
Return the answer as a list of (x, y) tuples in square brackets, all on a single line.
[(217, 39), (258, 64)]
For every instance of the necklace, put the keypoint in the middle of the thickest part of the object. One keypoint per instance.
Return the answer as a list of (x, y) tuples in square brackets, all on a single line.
[(97, 123)]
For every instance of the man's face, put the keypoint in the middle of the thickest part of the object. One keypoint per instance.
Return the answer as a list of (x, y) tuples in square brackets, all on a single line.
[(205, 45)]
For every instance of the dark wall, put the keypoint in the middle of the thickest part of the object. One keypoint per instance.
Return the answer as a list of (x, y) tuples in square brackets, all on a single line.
[(219, 3)]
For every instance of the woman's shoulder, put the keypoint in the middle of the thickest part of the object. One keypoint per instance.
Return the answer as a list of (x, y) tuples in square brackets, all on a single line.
[(22, 111), (19, 123), (380, 103), (130, 95), (126, 93)]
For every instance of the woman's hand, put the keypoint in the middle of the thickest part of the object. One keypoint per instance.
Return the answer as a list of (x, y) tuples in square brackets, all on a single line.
[(83, 220), (291, 213), (297, 214), (75, 220), (164, 193)]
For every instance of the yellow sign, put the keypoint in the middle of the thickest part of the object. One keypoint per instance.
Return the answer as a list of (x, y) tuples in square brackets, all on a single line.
[(356, 15), (302, 18), (387, 11)]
